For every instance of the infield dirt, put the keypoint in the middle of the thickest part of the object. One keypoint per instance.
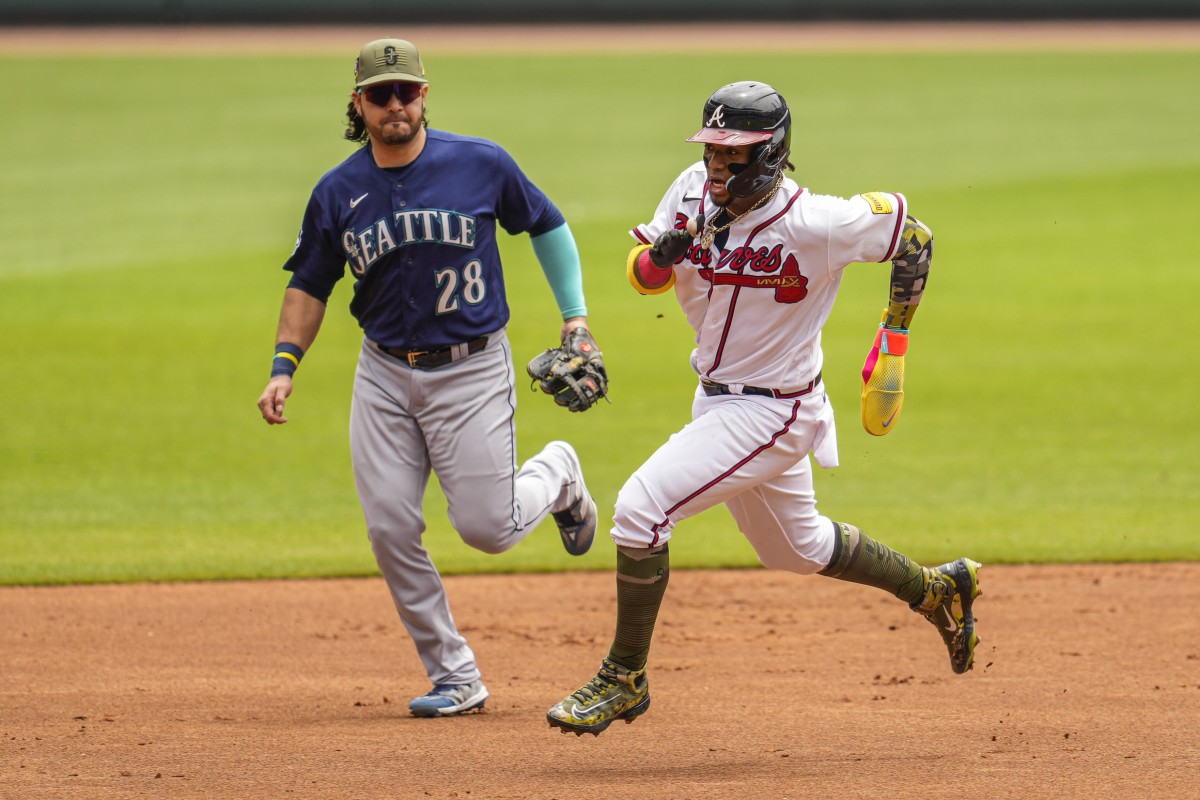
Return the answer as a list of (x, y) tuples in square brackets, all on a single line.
[(723, 40), (764, 685)]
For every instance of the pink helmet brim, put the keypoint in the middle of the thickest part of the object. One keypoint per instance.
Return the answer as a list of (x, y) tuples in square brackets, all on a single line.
[(730, 137)]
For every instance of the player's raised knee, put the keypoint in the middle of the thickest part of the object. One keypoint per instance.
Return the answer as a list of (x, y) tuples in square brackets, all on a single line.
[(488, 532)]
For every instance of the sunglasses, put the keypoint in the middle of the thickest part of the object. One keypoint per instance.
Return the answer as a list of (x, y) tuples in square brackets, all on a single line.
[(381, 93)]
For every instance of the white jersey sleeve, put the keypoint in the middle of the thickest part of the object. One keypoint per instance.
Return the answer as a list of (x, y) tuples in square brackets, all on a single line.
[(866, 227), (684, 193), (680, 203)]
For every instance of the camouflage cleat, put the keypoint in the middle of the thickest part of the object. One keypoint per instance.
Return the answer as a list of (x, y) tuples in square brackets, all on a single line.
[(947, 605), (615, 693)]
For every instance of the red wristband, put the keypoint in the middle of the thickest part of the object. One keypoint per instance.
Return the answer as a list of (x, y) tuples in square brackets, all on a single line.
[(893, 342), (653, 275)]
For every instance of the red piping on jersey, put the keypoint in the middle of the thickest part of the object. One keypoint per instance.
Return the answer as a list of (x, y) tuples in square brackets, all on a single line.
[(654, 529), (725, 330), (776, 217), (638, 235), (737, 290), (900, 217)]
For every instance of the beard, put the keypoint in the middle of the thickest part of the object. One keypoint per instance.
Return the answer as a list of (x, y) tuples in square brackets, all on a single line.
[(392, 136)]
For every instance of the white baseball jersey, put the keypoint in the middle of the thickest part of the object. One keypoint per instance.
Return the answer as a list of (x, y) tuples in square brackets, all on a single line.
[(759, 299)]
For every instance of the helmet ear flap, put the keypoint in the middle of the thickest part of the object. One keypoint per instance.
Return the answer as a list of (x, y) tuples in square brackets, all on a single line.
[(781, 147), (767, 161)]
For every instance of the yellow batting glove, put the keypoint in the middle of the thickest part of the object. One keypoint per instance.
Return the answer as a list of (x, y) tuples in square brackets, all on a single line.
[(883, 381)]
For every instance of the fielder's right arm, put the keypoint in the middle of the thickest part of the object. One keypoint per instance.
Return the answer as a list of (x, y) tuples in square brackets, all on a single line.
[(299, 321)]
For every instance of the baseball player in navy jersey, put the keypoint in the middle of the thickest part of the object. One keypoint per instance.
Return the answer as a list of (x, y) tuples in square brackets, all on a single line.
[(415, 214), (755, 261)]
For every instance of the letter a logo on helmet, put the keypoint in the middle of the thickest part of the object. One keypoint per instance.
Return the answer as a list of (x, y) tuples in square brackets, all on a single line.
[(749, 113)]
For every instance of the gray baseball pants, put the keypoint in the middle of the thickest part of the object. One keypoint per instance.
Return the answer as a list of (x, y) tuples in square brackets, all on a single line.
[(458, 421)]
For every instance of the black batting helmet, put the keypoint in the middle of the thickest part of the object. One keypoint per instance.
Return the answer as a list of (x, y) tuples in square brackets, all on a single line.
[(749, 113)]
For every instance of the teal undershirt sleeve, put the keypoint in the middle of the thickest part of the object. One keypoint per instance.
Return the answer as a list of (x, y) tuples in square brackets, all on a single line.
[(559, 257)]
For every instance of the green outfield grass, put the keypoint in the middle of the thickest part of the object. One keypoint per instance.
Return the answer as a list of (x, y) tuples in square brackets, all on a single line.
[(146, 205)]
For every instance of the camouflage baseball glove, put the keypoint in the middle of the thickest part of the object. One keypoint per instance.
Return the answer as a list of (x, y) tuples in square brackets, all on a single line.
[(573, 373)]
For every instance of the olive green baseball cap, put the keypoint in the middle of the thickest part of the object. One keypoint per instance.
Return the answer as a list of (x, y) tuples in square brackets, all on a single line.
[(388, 60)]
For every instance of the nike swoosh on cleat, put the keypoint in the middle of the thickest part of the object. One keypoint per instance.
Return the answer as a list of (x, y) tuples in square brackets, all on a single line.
[(593, 709), (892, 417), (951, 625), (357, 200)]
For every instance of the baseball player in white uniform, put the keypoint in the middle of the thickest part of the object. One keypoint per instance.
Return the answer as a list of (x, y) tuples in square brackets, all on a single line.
[(755, 261)]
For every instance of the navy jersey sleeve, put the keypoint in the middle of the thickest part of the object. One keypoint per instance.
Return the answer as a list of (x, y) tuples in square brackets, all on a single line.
[(317, 263), (523, 207)]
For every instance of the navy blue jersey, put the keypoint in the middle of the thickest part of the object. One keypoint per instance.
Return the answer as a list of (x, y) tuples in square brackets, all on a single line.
[(420, 239)]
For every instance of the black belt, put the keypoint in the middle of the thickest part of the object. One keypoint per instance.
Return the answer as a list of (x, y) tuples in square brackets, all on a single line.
[(712, 389), (438, 357)]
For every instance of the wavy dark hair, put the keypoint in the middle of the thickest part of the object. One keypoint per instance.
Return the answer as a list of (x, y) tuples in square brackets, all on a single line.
[(356, 127)]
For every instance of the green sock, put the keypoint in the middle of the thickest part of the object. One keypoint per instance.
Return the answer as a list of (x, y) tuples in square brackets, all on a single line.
[(641, 584), (860, 559)]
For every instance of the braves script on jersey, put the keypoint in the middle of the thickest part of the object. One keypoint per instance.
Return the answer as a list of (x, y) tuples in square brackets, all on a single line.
[(760, 295), (420, 239)]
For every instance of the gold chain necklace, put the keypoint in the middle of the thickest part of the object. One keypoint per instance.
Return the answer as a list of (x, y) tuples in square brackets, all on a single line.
[(710, 233)]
